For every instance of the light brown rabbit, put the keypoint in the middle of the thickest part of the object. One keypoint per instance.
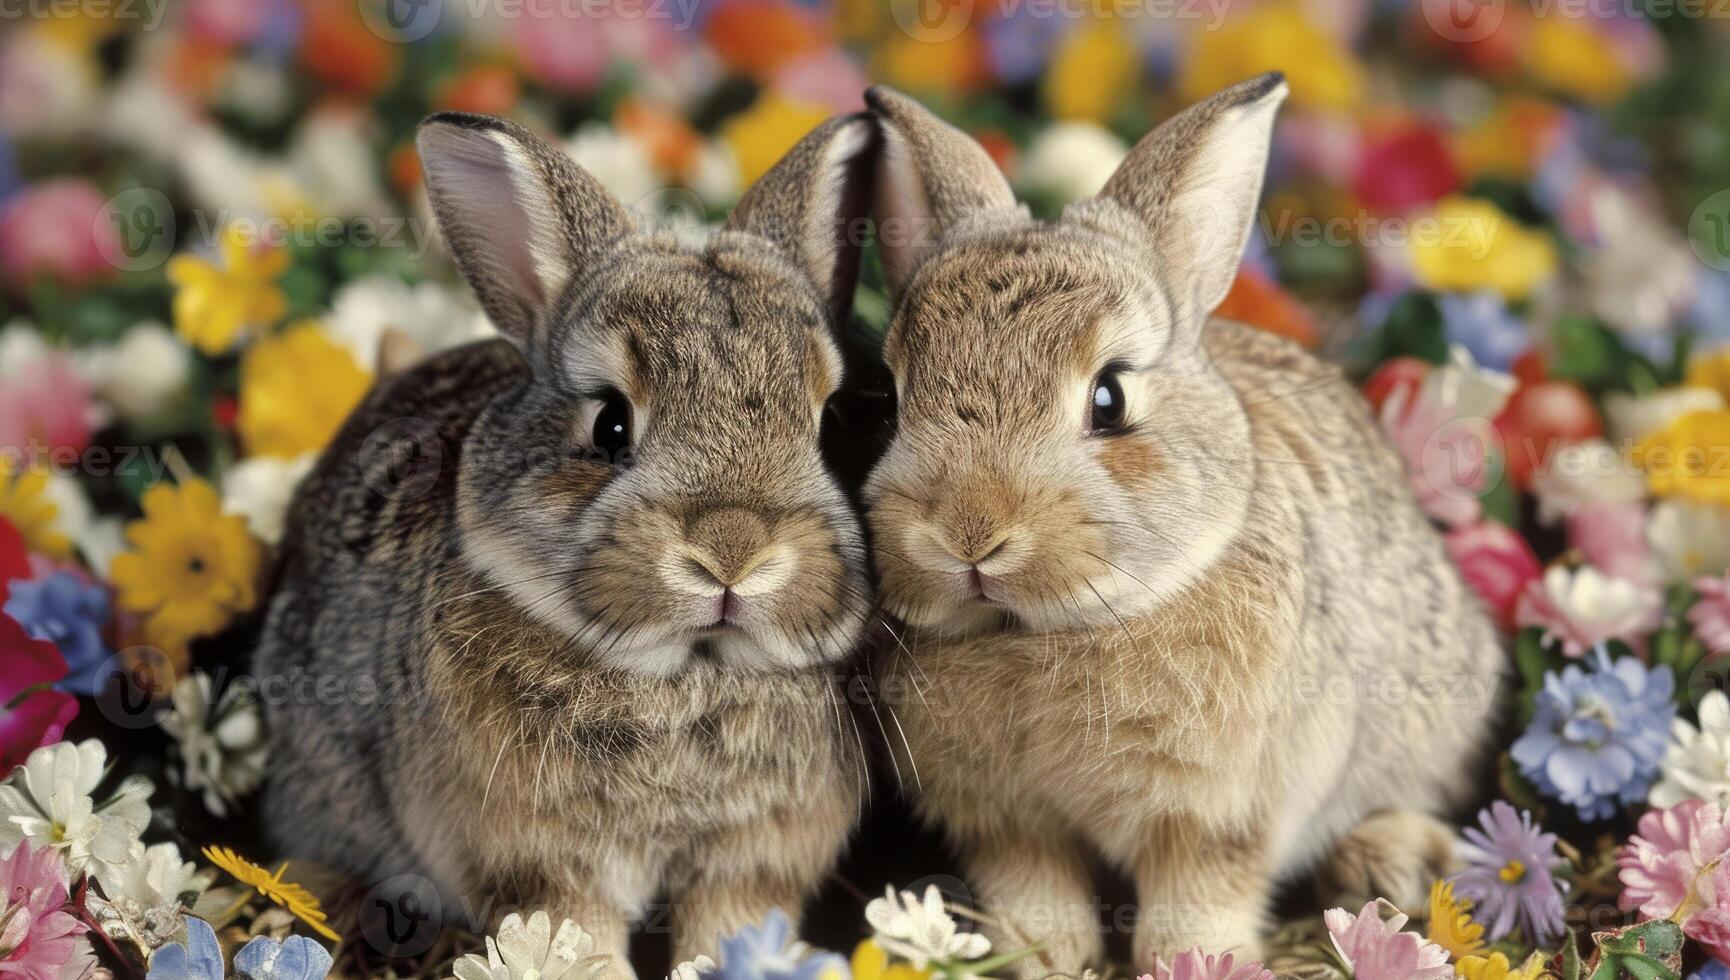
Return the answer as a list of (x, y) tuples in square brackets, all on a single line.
[(1169, 601), (560, 614)]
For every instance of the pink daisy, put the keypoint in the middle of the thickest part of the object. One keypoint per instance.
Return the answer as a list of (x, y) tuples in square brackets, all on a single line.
[(38, 936), (1194, 965), (1377, 950)]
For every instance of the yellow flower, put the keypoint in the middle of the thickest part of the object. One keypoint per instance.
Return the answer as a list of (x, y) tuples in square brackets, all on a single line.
[(289, 895), (1469, 244), (213, 305), (939, 66), (761, 134), (25, 505), (295, 391), (1711, 370), (1508, 141), (1451, 927), (1569, 55), (870, 962), (1496, 967), (1090, 72), (1689, 458), (191, 568), (1322, 73)]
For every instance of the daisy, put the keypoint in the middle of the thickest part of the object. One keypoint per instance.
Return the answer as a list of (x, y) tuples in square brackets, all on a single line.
[(1378, 950), (191, 567), (47, 802), (1508, 877), (1696, 764), (222, 747), (534, 951), (920, 931)]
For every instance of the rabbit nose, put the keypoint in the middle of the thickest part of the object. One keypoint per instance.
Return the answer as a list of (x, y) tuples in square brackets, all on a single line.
[(729, 544)]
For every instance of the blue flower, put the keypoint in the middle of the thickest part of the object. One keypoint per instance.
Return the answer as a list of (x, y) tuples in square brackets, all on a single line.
[(1018, 46), (1481, 323), (294, 958), (68, 613), (762, 953), (200, 958), (1713, 970), (1509, 875), (1597, 737)]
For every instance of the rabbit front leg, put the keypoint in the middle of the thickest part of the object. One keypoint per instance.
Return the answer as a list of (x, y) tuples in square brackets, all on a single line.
[(1036, 888), (1200, 885)]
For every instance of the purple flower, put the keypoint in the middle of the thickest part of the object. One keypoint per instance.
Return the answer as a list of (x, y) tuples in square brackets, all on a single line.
[(69, 613), (1597, 737), (1481, 323), (1508, 875), (1018, 45), (762, 953)]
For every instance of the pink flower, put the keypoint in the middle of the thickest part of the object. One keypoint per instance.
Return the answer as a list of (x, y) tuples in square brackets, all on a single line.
[(1584, 607), (228, 23), (57, 228), (46, 408), (1377, 950), (1612, 537), (36, 933), (1667, 853), (40, 716), (1496, 562), (1194, 965), (827, 78), (1711, 615), (1443, 431)]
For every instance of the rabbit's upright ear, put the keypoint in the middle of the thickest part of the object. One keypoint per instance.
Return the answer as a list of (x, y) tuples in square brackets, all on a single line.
[(1195, 183), (520, 217), (932, 177), (813, 205)]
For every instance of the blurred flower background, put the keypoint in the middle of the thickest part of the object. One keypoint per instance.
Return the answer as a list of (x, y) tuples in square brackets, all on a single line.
[(1510, 220)]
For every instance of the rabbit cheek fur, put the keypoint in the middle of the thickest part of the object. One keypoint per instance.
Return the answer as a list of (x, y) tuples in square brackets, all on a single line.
[(1210, 643), (530, 706)]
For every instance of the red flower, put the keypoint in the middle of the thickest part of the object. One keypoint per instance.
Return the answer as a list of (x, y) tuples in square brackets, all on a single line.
[(32, 713), (14, 560), (1403, 167), (1541, 418), (1497, 563)]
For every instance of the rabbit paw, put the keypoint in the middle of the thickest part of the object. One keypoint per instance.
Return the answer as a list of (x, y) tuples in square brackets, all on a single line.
[(1395, 855)]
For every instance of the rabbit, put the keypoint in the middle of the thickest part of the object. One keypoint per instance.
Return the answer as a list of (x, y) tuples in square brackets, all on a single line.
[(1145, 559), (561, 612)]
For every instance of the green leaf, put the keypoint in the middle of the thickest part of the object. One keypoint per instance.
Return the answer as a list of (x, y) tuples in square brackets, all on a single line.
[(1530, 656)]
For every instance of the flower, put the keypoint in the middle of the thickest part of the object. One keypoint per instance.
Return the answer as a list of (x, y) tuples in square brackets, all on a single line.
[(32, 714), (47, 802), (1406, 165), (45, 406), (1093, 68), (702, 965), (57, 229), (214, 304), (1571, 56), (763, 953), (760, 135), (1667, 867), (143, 896), (260, 490), (1597, 737), (191, 568), (1688, 539), (1582, 608), (1685, 459), (1256, 299), (1508, 878), (1496, 967), (199, 958), (1481, 323), (871, 962), (1710, 369), (1590, 471), (141, 373), (533, 951), (1443, 431), (620, 163), (1633, 418), (69, 612), (1327, 77), (1710, 616), (1496, 562), (37, 935), (1612, 539), (25, 503), (1377, 950), (1195, 965), (294, 958), (1451, 925), (1476, 246), (1071, 160), (296, 390), (920, 931), (222, 749), (291, 896), (432, 315), (1696, 764)]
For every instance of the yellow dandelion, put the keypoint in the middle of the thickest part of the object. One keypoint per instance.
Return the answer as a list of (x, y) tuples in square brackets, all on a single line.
[(1451, 925), (1496, 967), (25, 504), (291, 896)]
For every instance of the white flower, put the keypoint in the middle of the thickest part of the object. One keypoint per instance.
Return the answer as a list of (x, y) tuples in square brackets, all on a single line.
[(1583, 607), (534, 952), (1643, 276), (1697, 764), (432, 315), (145, 114), (222, 751), (617, 161), (920, 931), (1071, 160), (715, 176), (47, 802), (259, 489), (1689, 539), (141, 372), (146, 893), (47, 88), (1581, 473), (692, 969), (1632, 417), (331, 156)]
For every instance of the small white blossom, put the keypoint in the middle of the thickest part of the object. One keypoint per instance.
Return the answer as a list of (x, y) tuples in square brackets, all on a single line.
[(1071, 160), (920, 931), (1634, 417), (1697, 764), (141, 372), (692, 969), (260, 488), (47, 802), (1582, 473), (1689, 539), (533, 951), (146, 894), (432, 315), (222, 749), (619, 162)]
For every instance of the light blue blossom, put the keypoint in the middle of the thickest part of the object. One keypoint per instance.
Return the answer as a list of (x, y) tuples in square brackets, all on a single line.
[(1481, 323), (294, 958), (69, 613), (1597, 736), (199, 958), (764, 953)]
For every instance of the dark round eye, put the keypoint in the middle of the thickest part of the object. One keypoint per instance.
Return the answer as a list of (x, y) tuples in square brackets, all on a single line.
[(612, 435), (1106, 409)]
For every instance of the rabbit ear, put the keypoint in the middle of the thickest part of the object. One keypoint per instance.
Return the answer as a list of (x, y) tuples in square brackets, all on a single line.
[(812, 204), (932, 177), (520, 217), (1195, 182)]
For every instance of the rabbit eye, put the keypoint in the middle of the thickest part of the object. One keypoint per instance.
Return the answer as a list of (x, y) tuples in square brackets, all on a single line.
[(612, 431), (1107, 409)]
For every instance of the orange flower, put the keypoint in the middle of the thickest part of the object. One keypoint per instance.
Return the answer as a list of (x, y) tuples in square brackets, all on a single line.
[(337, 48), (757, 37), (1263, 304)]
